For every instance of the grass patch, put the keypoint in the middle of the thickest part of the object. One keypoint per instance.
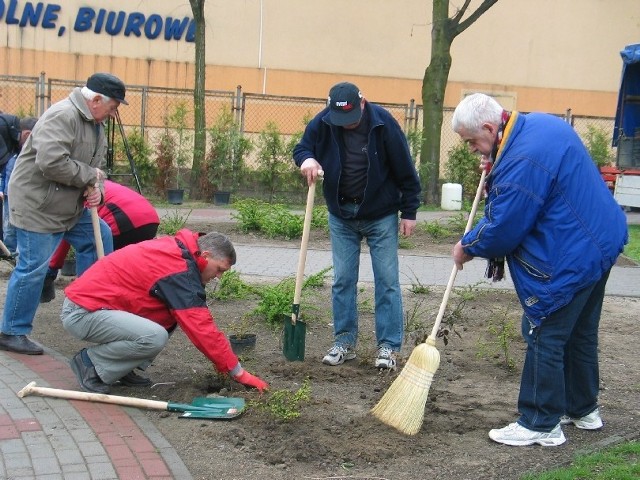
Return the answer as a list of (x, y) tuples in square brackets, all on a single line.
[(632, 249), (616, 463)]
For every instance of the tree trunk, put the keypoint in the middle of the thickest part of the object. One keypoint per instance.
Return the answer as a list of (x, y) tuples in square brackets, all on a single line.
[(200, 135), (434, 84)]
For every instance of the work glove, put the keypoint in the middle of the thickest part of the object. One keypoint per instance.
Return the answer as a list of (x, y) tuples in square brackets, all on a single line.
[(249, 380)]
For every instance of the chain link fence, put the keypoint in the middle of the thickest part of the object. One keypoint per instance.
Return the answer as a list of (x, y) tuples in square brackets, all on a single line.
[(150, 109)]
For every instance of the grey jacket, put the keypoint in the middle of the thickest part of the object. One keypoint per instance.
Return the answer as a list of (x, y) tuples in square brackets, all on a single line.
[(56, 164)]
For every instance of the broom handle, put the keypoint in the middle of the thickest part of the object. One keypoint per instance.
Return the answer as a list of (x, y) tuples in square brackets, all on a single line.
[(32, 389), (95, 221), (454, 271), (302, 259)]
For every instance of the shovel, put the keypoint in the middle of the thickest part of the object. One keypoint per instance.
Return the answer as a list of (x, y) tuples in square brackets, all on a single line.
[(218, 408), (294, 328)]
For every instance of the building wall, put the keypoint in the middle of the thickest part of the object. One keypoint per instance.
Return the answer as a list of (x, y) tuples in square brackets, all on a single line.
[(545, 55)]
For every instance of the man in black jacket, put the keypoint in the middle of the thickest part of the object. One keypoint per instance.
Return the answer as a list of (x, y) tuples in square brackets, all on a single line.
[(369, 177)]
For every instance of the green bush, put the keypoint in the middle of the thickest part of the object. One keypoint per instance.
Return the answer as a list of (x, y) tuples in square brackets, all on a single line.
[(140, 152), (275, 220), (231, 286), (463, 167), (276, 170), (224, 165), (172, 222), (597, 142)]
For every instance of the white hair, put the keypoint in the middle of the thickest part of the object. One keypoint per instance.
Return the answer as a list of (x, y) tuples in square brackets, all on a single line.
[(475, 110), (90, 94)]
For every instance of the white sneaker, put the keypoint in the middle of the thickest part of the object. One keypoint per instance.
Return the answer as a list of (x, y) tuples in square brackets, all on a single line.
[(593, 421), (338, 354), (517, 435), (386, 358)]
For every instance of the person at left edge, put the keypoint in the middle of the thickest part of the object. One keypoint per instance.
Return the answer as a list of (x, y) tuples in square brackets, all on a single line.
[(57, 174), (8, 232)]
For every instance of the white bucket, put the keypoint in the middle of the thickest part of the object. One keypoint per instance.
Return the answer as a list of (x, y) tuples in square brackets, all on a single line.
[(451, 196)]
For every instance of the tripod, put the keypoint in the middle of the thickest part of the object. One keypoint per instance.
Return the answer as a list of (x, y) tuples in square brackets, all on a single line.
[(112, 131)]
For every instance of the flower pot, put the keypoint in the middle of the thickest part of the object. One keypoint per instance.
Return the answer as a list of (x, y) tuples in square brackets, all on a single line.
[(69, 267), (221, 198), (242, 344), (175, 196)]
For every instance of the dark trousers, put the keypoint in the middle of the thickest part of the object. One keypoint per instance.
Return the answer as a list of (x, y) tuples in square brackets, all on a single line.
[(561, 374)]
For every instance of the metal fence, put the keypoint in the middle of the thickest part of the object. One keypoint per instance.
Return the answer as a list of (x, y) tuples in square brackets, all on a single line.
[(150, 107)]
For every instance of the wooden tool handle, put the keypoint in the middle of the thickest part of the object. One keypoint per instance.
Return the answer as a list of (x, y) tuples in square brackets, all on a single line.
[(5, 250), (302, 259), (95, 221), (32, 389), (452, 277)]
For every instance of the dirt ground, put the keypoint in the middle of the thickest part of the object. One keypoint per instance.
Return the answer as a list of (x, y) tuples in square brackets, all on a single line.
[(335, 436)]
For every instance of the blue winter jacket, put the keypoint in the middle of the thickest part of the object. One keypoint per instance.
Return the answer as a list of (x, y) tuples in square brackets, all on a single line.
[(392, 180), (549, 212)]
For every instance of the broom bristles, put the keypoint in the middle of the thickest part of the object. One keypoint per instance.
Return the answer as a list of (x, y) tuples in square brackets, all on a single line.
[(402, 406)]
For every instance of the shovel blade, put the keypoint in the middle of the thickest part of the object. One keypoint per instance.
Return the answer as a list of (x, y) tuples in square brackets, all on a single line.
[(219, 402), (209, 415), (294, 339), (222, 408)]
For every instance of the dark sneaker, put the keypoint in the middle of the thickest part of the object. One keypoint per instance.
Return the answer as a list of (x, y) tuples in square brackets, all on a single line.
[(338, 354), (48, 290), (518, 436), (19, 344), (593, 421), (132, 379), (87, 376)]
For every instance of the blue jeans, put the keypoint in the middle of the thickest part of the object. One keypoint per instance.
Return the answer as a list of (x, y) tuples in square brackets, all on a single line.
[(8, 230), (560, 374), (382, 237), (35, 250), (82, 239)]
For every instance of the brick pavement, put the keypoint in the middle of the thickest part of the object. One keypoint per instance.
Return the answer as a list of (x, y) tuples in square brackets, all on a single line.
[(48, 438)]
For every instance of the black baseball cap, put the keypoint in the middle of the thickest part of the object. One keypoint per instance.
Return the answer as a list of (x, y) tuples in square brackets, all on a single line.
[(345, 104), (108, 85)]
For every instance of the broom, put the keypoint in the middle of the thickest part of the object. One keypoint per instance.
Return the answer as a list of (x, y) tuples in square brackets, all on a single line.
[(402, 406)]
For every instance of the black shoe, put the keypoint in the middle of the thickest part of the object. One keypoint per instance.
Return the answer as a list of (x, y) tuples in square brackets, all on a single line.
[(19, 344), (48, 290), (87, 376), (132, 379)]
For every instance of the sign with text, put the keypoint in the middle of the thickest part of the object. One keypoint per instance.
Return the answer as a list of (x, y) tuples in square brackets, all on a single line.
[(99, 21)]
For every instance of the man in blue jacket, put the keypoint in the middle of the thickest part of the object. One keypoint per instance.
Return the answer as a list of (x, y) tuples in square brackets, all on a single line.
[(369, 177), (551, 215)]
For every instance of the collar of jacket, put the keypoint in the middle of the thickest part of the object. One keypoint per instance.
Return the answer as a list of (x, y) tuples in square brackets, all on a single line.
[(188, 240), (506, 136), (81, 104)]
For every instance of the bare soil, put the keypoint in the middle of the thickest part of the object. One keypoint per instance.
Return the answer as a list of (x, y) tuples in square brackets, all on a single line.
[(335, 437)]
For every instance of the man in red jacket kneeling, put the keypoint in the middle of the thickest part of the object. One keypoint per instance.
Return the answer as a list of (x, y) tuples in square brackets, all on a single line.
[(130, 301)]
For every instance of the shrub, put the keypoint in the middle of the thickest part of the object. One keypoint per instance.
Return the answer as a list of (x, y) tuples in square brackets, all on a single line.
[(140, 151), (276, 170), (223, 165), (597, 143), (463, 167)]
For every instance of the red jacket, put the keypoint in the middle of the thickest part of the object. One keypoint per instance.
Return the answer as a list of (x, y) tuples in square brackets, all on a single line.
[(125, 209), (159, 280)]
